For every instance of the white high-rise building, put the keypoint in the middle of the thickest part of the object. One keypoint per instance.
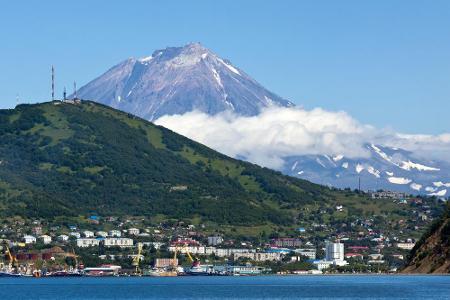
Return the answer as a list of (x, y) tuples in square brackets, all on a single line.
[(334, 255), (334, 251)]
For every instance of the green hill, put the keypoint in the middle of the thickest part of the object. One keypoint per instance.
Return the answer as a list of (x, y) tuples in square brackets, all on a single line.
[(71, 159), (62, 159)]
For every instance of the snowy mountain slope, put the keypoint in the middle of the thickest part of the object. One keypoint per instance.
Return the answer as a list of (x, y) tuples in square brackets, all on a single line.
[(176, 80), (386, 168)]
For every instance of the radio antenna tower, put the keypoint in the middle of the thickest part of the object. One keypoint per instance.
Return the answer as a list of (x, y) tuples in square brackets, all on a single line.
[(74, 90), (53, 83)]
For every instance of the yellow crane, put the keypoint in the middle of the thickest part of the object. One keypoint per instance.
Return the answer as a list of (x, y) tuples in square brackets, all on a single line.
[(179, 249), (11, 258), (137, 258), (191, 259)]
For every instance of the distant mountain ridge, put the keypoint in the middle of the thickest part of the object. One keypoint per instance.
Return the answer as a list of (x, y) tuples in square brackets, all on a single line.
[(386, 168), (177, 80)]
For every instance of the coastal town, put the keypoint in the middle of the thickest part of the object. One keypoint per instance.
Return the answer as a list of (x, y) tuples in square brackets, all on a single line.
[(111, 246)]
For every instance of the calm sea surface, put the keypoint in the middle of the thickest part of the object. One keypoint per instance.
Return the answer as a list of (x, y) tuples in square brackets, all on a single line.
[(262, 287)]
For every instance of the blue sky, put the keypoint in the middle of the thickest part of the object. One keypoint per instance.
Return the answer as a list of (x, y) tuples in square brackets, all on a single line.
[(387, 63)]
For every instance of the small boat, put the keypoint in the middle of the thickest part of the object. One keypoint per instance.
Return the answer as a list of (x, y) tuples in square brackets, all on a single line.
[(64, 274), (10, 274)]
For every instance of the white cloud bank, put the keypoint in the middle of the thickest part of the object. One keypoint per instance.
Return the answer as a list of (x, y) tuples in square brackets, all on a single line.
[(279, 132)]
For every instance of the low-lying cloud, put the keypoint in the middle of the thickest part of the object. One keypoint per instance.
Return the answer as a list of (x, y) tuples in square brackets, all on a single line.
[(279, 132)]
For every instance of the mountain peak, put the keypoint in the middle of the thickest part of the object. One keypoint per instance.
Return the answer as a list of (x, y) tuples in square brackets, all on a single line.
[(191, 49), (176, 80)]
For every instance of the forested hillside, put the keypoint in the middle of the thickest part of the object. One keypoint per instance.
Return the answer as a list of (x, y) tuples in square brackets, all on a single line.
[(69, 159)]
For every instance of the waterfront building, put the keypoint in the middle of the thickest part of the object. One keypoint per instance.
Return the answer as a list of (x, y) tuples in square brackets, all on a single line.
[(156, 245), (29, 239), (63, 238), (75, 234), (46, 239), (215, 240), (87, 242), (260, 256), (193, 249), (322, 264), (389, 195), (37, 230), (120, 242), (133, 231), (334, 255), (286, 242), (226, 252), (405, 246), (101, 234), (115, 233), (166, 262), (245, 270), (334, 251), (310, 253), (88, 234)]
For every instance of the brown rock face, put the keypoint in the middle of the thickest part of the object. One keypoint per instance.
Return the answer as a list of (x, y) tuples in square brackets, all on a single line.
[(431, 255)]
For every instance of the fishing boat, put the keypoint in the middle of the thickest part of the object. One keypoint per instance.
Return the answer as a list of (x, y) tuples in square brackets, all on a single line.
[(158, 272), (199, 270)]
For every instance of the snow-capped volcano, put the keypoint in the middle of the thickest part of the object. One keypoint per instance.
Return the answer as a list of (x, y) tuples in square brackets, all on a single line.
[(179, 80), (176, 80)]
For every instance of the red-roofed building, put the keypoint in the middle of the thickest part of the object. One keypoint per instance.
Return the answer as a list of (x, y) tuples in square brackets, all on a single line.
[(353, 255), (358, 248)]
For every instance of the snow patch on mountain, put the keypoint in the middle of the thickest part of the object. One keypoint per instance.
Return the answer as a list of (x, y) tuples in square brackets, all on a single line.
[(382, 154), (441, 184), (416, 186), (230, 67), (146, 59), (440, 193), (345, 165), (330, 160), (217, 77), (373, 171), (399, 180), (338, 157), (359, 168), (430, 189), (408, 165), (319, 161)]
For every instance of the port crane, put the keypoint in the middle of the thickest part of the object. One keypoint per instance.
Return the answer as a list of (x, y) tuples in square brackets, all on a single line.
[(137, 259), (12, 260), (191, 259)]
